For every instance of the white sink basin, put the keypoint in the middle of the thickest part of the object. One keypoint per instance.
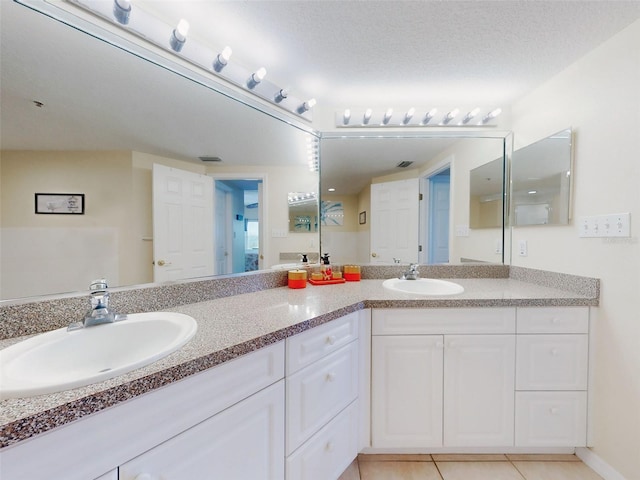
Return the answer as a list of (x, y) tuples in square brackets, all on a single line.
[(60, 360), (423, 286)]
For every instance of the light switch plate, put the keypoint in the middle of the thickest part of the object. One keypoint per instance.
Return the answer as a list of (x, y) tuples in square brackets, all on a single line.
[(523, 249), (611, 225)]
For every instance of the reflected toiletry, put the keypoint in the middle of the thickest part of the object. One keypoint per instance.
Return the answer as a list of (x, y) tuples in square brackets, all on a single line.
[(327, 273)]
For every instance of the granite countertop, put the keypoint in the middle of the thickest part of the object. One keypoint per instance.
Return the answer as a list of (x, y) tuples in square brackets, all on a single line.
[(235, 325)]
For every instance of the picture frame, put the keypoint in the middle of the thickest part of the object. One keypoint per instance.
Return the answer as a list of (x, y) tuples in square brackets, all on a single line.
[(362, 218), (59, 203)]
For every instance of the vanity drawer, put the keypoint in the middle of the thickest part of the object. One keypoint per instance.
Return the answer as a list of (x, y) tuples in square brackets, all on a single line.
[(551, 419), (551, 362), (439, 321), (311, 345), (329, 452), (317, 393), (553, 319)]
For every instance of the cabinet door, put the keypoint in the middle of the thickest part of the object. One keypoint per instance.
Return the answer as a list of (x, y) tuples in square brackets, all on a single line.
[(479, 387), (243, 442), (406, 409)]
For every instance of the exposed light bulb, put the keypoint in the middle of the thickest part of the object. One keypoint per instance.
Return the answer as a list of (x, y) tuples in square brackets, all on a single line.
[(491, 115), (346, 116), (430, 114), (222, 59), (122, 11), (367, 116), (450, 116), (409, 115), (306, 106), (387, 116), (281, 95), (256, 77), (469, 116), (179, 35)]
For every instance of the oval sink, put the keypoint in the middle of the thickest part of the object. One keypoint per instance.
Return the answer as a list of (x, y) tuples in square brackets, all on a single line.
[(423, 286), (60, 360)]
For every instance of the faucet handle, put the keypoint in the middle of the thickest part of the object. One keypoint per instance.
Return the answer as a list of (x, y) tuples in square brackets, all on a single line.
[(99, 284)]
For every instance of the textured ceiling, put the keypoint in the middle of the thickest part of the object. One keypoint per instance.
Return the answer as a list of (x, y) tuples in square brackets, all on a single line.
[(381, 53)]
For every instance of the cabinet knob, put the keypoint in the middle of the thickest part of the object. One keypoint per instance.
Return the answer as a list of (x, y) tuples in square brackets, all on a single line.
[(329, 447), (554, 352), (553, 410), (162, 263), (331, 339), (331, 377), (374, 254)]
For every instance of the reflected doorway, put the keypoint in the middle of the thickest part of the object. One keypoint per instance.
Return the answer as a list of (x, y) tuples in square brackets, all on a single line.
[(238, 227), (436, 213)]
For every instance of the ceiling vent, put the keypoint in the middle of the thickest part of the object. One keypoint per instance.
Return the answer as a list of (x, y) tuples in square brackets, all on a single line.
[(404, 164), (210, 159)]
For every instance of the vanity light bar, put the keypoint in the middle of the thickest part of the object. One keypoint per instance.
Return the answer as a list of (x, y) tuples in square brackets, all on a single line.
[(412, 117), (174, 39)]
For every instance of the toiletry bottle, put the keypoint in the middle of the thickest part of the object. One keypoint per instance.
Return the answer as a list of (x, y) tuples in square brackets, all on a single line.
[(305, 260), (327, 274)]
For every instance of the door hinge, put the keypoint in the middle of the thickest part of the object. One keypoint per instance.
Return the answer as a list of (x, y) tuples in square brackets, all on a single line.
[(419, 196), (419, 248)]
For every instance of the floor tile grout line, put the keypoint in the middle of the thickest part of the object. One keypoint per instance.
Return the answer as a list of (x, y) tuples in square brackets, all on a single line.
[(516, 467)]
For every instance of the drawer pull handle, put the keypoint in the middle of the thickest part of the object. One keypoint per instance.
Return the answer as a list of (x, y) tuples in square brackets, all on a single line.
[(331, 339), (329, 447), (553, 410), (331, 377)]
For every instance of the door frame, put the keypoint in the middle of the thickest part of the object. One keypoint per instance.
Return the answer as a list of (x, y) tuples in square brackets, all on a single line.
[(262, 208), (444, 164)]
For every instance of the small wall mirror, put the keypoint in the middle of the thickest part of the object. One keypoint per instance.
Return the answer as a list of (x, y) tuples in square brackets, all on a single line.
[(541, 181), (303, 212), (486, 195)]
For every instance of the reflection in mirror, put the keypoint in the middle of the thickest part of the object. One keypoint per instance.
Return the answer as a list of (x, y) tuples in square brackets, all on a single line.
[(81, 116), (486, 193), (303, 212), (541, 180), (358, 171)]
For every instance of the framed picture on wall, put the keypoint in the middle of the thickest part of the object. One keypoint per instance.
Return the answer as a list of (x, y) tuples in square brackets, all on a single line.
[(60, 203), (362, 218)]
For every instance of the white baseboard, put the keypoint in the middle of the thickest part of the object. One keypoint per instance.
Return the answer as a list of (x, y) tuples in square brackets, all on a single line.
[(597, 464)]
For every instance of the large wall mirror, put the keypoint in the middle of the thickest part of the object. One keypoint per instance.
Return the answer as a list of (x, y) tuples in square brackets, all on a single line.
[(541, 181), (361, 171), (84, 117)]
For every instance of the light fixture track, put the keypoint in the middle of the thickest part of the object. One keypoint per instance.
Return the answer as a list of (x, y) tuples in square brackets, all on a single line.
[(412, 117)]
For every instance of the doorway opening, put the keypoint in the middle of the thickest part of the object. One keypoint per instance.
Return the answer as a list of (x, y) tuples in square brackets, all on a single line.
[(436, 213), (238, 225)]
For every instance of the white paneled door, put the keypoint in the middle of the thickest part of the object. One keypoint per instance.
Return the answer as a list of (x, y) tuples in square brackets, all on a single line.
[(394, 221), (182, 224)]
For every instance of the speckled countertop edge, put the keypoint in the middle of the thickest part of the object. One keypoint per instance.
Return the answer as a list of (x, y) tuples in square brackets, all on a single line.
[(228, 332)]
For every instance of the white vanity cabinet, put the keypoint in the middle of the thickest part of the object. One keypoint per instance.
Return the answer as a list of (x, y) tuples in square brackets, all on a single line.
[(552, 376), (322, 407), (442, 377), (244, 441), (228, 419)]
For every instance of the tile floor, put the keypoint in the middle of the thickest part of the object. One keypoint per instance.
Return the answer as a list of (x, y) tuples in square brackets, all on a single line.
[(468, 467)]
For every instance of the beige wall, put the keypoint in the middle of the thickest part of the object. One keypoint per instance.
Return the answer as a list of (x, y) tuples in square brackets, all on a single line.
[(55, 253), (599, 97), (340, 241)]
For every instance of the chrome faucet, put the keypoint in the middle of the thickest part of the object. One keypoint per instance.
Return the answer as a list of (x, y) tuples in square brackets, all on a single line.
[(99, 312), (412, 273)]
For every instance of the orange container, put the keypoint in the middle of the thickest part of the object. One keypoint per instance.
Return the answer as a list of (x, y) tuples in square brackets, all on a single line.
[(297, 278), (351, 273)]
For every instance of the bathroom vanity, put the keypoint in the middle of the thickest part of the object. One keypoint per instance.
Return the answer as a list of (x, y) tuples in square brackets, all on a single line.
[(293, 384)]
